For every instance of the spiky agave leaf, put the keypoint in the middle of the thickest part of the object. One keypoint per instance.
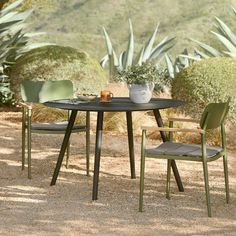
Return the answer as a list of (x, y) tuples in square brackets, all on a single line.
[(11, 7), (201, 54), (104, 61), (189, 57), (231, 54), (149, 46), (170, 66), (122, 61), (129, 53), (225, 42), (227, 31), (147, 52), (210, 50), (161, 48), (108, 42), (140, 57)]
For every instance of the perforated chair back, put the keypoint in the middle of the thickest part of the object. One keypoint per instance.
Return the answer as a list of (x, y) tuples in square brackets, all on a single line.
[(42, 91)]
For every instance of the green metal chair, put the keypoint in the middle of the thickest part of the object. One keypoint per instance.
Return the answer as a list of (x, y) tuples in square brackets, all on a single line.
[(212, 118), (41, 91)]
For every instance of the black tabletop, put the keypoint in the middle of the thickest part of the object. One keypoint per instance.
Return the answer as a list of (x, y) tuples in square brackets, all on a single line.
[(116, 104)]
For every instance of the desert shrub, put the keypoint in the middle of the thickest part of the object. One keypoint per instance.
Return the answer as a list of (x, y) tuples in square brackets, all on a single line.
[(58, 63), (14, 42), (209, 80)]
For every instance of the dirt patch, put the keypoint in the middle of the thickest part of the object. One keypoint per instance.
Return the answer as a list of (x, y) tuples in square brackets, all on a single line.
[(33, 207)]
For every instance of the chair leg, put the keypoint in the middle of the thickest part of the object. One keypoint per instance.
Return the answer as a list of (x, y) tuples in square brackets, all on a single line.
[(29, 151), (205, 170), (87, 154), (226, 177), (23, 148), (142, 172), (168, 179), (87, 142), (23, 139), (67, 155)]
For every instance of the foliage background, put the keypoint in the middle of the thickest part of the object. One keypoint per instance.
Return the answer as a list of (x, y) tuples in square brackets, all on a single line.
[(78, 23)]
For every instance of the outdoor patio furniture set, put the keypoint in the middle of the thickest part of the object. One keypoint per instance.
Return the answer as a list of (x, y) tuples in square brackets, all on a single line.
[(59, 94)]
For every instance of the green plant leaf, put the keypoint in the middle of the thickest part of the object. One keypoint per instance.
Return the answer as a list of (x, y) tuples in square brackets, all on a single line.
[(233, 10), (7, 17), (23, 15), (161, 48), (108, 42), (212, 51), (121, 60), (231, 54), (226, 42), (228, 33), (170, 66), (11, 7), (191, 57), (128, 57), (104, 61), (203, 55), (140, 57), (149, 45), (4, 26)]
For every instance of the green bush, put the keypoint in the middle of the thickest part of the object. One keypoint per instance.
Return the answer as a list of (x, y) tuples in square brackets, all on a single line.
[(210, 80), (57, 63)]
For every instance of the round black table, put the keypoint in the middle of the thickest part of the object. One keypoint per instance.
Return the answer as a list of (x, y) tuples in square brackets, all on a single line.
[(115, 105)]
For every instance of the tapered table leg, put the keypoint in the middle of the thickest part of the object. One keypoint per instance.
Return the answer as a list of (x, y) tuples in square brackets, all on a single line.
[(131, 143), (173, 163), (64, 146), (98, 146)]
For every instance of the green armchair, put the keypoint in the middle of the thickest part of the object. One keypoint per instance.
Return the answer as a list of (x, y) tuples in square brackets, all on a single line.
[(213, 117), (38, 92)]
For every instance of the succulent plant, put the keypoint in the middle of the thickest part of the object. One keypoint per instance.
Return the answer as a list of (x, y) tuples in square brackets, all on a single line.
[(14, 42), (225, 36), (126, 58)]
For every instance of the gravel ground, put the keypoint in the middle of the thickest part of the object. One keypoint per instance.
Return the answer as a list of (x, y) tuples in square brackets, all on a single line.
[(32, 207)]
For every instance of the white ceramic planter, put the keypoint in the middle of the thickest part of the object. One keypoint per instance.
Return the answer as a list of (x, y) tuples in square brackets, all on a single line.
[(140, 93)]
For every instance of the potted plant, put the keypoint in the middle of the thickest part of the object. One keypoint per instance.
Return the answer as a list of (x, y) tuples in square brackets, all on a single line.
[(140, 80)]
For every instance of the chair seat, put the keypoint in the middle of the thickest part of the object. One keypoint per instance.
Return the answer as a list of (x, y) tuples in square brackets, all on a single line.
[(60, 126), (180, 149)]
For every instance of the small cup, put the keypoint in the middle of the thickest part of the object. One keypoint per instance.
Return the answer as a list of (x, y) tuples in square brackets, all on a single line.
[(106, 96)]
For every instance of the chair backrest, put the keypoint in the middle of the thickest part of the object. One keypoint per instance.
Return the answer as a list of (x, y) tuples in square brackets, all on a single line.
[(214, 115), (42, 91)]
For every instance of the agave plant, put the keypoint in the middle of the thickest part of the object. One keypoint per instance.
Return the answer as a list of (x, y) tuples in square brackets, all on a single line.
[(14, 42), (182, 61), (225, 36), (127, 58)]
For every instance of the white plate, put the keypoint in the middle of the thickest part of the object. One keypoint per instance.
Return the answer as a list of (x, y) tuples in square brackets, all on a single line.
[(87, 98)]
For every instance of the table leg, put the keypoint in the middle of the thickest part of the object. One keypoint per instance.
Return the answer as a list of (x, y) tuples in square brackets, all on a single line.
[(173, 163), (98, 146), (131, 143), (64, 146)]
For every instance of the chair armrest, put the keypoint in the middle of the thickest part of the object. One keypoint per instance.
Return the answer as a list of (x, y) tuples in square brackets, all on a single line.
[(29, 106), (183, 120), (164, 129)]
